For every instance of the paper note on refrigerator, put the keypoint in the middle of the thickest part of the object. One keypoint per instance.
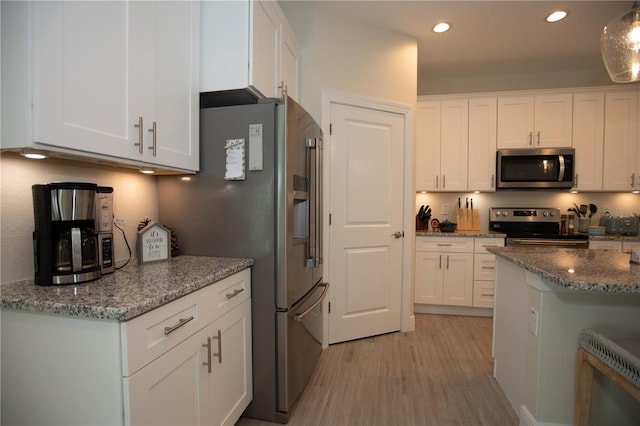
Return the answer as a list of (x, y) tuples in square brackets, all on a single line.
[(234, 159)]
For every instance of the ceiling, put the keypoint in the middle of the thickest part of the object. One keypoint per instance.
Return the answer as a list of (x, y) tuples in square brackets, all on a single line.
[(492, 36)]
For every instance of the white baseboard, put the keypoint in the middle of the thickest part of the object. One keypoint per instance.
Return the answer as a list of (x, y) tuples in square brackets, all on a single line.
[(452, 310), (526, 419)]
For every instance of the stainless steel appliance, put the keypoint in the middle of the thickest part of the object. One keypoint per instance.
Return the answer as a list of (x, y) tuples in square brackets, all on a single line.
[(65, 243), (104, 228), (533, 226), (258, 195), (543, 168)]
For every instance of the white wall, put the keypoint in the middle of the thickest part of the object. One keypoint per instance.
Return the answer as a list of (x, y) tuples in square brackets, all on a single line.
[(135, 198), (351, 57)]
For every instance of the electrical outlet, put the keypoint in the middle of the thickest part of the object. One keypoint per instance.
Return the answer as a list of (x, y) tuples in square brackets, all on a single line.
[(445, 209), (121, 222), (533, 321)]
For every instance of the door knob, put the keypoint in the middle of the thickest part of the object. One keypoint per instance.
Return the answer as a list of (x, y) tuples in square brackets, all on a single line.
[(398, 234)]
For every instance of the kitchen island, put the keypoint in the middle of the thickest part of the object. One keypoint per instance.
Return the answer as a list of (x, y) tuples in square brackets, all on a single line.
[(544, 298), (119, 350)]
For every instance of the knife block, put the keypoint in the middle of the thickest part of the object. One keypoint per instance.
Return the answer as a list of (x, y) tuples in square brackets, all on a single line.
[(468, 220), (420, 225)]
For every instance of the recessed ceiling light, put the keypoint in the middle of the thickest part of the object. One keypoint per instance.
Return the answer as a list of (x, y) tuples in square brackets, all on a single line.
[(557, 15), (441, 27), (147, 170)]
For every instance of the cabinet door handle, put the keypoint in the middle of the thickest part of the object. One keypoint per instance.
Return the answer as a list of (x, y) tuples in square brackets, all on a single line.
[(436, 181), (633, 179), (447, 263), (440, 266), (493, 180), (575, 181), (140, 134), (154, 130), (538, 137), (444, 182), (235, 293), (219, 354), (531, 138), (208, 346), (181, 322)]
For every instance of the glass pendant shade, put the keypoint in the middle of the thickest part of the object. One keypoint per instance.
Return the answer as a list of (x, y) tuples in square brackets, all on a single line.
[(620, 45)]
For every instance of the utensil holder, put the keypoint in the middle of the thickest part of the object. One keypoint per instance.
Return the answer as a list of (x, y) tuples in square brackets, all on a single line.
[(583, 224)]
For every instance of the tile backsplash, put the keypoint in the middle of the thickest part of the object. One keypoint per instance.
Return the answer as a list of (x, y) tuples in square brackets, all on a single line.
[(441, 203)]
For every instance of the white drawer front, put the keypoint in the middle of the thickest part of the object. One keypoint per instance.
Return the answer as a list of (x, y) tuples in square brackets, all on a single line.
[(484, 267), (148, 336), (445, 244), (481, 244), (483, 294)]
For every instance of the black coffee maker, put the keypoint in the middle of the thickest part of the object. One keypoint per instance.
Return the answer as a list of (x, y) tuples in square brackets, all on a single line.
[(65, 242)]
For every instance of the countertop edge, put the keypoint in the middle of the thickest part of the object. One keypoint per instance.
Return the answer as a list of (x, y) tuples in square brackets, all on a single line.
[(129, 309), (560, 281)]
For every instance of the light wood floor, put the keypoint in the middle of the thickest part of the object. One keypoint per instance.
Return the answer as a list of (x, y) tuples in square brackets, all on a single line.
[(440, 374)]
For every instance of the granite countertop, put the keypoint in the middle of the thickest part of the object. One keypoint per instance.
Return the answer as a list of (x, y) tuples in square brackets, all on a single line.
[(614, 237), (468, 234), (126, 293), (606, 271)]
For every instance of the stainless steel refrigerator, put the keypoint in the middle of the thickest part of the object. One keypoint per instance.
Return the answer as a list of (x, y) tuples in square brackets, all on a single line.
[(258, 195)]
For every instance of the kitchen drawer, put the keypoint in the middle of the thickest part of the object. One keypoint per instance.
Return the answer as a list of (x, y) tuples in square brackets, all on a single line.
[(445, 244), (481, 244), (484, 267), (148, 336), (483, 294)]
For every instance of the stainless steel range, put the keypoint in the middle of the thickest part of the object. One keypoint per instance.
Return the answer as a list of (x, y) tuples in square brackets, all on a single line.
[(533, 226)]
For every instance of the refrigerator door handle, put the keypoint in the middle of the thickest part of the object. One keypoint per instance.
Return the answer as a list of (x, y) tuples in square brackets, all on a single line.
[(314, 172), (301, 315)]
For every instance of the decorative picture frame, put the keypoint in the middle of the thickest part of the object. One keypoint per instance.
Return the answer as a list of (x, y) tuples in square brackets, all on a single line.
[(154, 243)]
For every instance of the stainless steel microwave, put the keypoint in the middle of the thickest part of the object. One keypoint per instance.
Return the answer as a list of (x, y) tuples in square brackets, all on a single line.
[(537, 168)]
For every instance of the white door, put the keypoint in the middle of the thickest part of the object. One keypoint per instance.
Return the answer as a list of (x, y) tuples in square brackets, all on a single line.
[(366, 207)]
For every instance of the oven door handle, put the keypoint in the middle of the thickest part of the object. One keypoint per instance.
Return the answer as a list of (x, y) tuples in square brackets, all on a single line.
[(539, 242)]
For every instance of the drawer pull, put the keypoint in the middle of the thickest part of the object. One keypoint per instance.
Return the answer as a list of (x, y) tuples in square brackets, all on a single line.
[(444, 245), (208, 346), (486, 294), (488, 267), (219, 354), (181, 322), (235, 293)]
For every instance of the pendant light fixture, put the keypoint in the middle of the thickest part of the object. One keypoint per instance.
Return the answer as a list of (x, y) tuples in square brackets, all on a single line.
[(620, 45)]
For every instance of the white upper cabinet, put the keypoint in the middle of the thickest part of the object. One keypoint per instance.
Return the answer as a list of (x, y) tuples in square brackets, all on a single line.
[(96, 71), (248, 45), (482, 144), (442, 145), (621, 162), (540, 121), (588, 139)]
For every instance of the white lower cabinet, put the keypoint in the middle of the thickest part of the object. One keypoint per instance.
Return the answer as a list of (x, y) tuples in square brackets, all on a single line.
[(455, 271), (184, 363), (484, 271), (204, 380), (444, 271)]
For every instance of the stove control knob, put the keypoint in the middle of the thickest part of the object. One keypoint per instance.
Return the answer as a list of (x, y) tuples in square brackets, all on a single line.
[(498, 213), (505, 213), (552, 213), (545, 214)]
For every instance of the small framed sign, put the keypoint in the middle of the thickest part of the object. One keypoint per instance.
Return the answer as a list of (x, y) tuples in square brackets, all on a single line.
[(154, 243)]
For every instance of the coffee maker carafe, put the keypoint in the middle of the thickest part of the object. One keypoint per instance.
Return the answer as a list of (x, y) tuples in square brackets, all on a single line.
[(65, 242)]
